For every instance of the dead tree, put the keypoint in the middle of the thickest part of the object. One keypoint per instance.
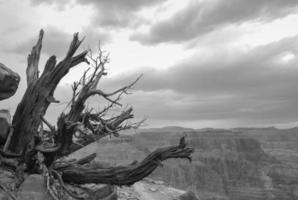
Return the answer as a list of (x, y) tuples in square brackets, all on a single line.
[(30, 149)]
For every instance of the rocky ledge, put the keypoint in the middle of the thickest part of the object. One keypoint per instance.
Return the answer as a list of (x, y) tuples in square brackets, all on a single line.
[(150, 189)]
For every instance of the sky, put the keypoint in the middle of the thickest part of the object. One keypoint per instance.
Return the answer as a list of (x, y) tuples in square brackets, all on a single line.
[(205, 63)]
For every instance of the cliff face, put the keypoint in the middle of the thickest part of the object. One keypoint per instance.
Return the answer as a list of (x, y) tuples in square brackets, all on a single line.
[(224, 167), (231, 165), (227, 164)]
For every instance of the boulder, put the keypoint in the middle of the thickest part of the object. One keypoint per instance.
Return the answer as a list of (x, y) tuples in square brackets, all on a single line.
[(4, 196), (189, 195), (33, 188), (9, 81), (4, 125), (102, 191)]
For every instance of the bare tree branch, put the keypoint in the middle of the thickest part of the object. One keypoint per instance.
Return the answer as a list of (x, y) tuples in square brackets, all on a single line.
[(125, 175), (51, 127)]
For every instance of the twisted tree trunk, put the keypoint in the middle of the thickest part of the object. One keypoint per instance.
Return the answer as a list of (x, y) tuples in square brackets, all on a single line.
[(125, 175), (27, 150), (39, 94)]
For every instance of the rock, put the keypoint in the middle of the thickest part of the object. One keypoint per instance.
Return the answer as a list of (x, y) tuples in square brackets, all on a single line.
[(6, 177), (33, 188), (159, 182), (127, 193), (153, 189), (4, 125), (9, 82), (4, 196), (102, 191), (189, 195), (149, 180)]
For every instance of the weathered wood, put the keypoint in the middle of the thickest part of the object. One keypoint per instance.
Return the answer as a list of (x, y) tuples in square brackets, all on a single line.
[(35, 101), (29, 150), (110, 128), (67, 123), (125, 175), (86, 159), (33, 60)]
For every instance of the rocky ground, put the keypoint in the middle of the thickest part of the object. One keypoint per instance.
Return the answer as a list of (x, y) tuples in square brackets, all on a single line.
[(149, 189), (34, 188)]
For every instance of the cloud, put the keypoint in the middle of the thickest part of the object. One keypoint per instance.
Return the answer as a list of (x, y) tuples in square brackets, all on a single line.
[(56, 42), (15, 27), (58, 3), (109, 13), (202, 17), (217, 73), (256, 86), (249, 86), (118, 13)]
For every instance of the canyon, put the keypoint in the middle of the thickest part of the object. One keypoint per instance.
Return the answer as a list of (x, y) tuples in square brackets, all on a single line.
[(234, 164)]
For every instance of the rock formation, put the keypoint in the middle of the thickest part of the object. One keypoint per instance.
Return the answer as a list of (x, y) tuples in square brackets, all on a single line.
[(150, 189), (9, 82), (227, 164), (4, 124)]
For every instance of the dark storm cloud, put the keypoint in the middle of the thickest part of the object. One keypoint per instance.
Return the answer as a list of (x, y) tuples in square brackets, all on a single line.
[(56, 42), (200, 18), (110, 13), (117, 13), (256, 86)]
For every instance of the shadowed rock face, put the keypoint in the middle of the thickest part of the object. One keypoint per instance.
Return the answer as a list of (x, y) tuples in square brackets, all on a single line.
[(9, 82), (231, 165), (227, 165), (4, 124)]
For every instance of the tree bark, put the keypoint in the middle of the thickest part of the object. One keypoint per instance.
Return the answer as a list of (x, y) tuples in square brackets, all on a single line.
[(39, 94)]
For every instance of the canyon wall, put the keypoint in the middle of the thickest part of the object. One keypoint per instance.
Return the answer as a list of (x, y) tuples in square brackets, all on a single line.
[(240, 164)]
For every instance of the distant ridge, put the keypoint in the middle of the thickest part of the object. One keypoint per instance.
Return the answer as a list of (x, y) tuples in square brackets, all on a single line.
[(167, 129), (208, 129), (255, 128)]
